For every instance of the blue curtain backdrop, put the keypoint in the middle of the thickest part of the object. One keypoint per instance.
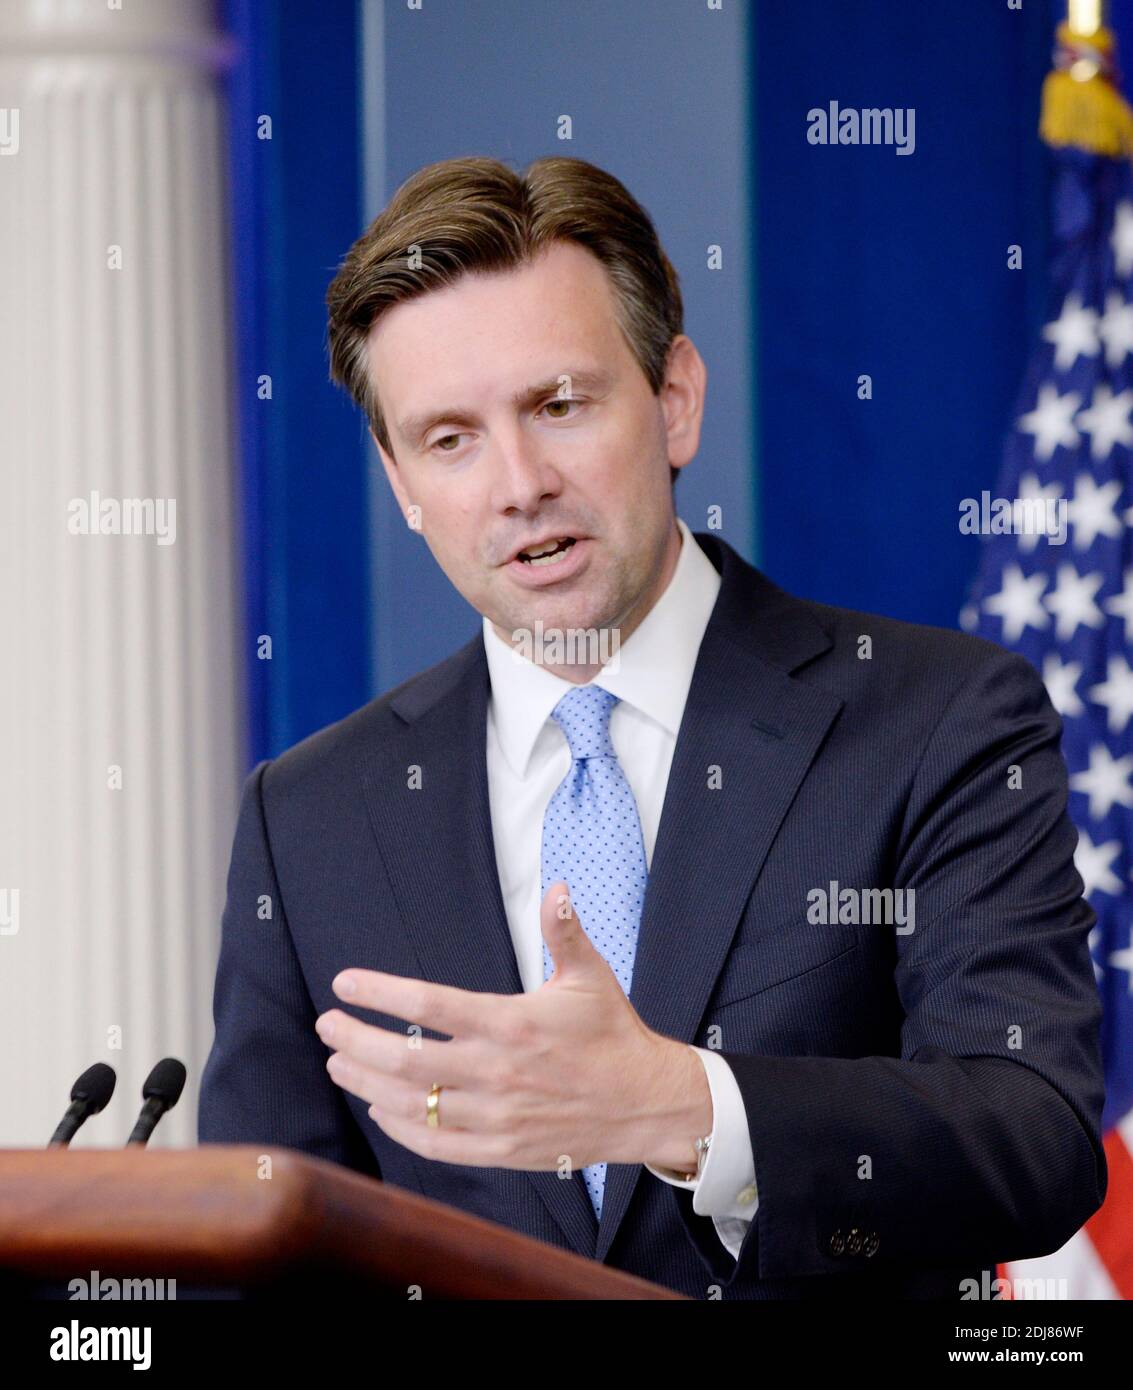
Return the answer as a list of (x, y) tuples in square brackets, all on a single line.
[(894, 266), (839, 261), (296, 207)]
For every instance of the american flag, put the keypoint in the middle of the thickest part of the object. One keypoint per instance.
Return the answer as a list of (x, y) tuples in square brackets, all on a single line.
[(1069, 609)]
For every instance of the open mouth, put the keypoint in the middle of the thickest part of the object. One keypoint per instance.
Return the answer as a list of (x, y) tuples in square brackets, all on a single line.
[(549, 553)]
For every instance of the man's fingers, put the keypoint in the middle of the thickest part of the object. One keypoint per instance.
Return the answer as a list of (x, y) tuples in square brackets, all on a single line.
[(402, 1054), (469, 1111), (454, 1145), (461, 1013)]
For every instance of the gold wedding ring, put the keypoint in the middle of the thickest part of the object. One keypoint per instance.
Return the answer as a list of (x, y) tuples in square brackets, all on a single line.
[(432, 1107)]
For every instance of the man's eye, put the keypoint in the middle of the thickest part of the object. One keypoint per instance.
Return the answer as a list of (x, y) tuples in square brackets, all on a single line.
[(561, 400), (444, 438)]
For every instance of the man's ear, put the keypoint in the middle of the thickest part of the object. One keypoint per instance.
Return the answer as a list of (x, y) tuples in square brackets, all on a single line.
[(393, 474), (683, 391)]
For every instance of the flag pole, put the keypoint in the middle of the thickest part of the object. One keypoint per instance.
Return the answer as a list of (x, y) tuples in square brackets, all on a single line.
[(1082, 103)]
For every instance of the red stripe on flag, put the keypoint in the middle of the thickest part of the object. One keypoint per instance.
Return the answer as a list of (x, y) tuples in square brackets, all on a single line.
[(1110, 1229)]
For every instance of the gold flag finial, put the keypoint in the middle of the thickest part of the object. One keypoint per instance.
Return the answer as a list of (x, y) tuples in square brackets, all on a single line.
[(1082, 105)]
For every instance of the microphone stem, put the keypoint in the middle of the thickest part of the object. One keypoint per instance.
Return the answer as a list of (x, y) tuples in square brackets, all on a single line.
[(68, 1125), (152, 1111)]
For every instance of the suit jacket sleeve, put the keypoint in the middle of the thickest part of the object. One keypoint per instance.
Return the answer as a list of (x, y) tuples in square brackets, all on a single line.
[(725, 1190), (265, 1081), (981, 1141)]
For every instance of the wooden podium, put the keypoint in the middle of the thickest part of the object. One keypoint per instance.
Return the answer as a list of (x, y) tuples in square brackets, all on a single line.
[(211, 1219)]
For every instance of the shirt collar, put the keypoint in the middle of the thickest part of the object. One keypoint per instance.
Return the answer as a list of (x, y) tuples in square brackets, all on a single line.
[(653, 671)]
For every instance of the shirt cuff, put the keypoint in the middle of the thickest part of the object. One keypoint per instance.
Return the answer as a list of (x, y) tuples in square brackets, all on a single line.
[(726, 1188)]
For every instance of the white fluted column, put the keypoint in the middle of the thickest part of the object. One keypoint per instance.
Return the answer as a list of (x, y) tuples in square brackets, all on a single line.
[(120, 712)]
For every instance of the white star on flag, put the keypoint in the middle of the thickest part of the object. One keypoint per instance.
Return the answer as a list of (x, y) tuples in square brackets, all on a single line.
[(1094, 862), (1074, 333), (1091, 510), (1107, 421), (1051, 421), (1060, 681), (1018, 603), (1121, 605), (1116, 694), (1105, 782), (1030, 490), (1121, 239), (1094, 941), (1115, 328), (1123, 960), (1072, 601)]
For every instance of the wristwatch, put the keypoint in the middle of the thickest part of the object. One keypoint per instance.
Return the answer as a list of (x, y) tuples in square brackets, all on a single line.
[(701, 1157)]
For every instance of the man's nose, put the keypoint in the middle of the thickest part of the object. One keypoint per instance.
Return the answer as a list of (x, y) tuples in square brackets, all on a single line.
[(523, 475)]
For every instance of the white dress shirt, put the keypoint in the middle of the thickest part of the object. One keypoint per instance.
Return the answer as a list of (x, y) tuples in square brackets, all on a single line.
[(527, 758)]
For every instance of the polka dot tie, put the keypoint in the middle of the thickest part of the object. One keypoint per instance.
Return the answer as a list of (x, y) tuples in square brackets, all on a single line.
[(592, 842)]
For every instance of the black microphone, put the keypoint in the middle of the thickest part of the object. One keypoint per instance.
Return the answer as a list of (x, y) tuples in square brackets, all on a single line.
[(89, 1095), (161, 1092)]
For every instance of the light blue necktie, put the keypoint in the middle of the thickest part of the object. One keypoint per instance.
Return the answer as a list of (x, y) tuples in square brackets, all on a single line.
[(592, 842)]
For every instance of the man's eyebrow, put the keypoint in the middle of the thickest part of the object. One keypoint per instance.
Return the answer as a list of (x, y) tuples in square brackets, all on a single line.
[(415, 427)]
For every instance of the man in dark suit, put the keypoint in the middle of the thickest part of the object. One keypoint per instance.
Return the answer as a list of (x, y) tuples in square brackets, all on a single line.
[(745, 951)]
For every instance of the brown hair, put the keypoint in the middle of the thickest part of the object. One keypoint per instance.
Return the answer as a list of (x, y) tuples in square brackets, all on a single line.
[(477, 215)]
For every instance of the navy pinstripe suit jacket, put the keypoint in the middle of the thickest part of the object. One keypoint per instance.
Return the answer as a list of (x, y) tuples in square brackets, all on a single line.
[(921, 1104)]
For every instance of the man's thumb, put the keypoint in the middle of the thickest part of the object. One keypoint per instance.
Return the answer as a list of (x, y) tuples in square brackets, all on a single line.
[(562, 931)]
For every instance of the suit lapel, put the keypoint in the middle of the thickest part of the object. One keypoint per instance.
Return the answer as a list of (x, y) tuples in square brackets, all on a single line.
[(747, 717), (436, 843)]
